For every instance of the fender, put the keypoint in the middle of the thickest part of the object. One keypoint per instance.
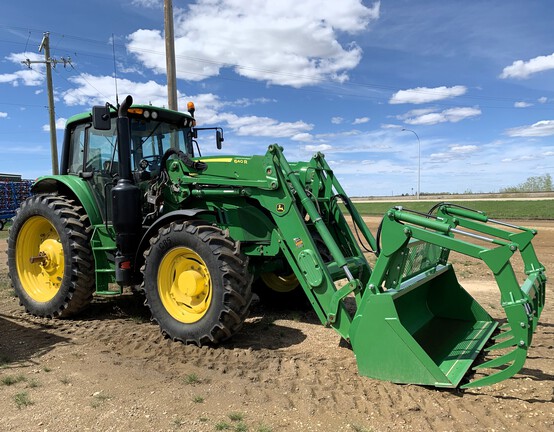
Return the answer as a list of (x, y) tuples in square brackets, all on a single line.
[(177, 215), (72, 186)]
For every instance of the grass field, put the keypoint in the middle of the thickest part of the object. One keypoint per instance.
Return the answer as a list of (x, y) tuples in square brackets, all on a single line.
[(540, 209)]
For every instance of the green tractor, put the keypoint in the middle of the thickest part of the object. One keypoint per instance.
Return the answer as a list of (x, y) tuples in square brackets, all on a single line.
[(137, 205)]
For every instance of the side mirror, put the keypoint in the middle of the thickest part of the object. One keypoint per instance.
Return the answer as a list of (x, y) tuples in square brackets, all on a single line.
[(219, 138), (101, 118)]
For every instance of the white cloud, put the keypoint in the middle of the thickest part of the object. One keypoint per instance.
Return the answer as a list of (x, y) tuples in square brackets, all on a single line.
[(94, 90), (97, 90), (318, 148), (524, 69), (60, 125), (542, 100), (337, 120), (390, 126), (150, 4), (421, 95), (540, 129), (122, 68), (355, 141), (429, 116), (9, 78), (245, 102), (369, 167), (285, 42), (303, 137), (522, 104), (361, 120), (455, 152), (27, 76), (264, 126), (3, 114)]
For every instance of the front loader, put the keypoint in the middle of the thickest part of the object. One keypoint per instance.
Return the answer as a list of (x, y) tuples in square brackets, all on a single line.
[(138, 205)]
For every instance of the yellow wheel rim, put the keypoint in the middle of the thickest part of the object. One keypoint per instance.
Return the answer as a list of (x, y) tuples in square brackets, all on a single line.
[(40, 259), (280, 283), (184, 285)]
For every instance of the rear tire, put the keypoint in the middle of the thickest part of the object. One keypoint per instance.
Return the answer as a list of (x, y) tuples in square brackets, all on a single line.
[(196, 283), (281, 290), (50, 257)]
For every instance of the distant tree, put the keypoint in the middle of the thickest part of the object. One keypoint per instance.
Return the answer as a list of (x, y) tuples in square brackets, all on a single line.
[(532, 184)]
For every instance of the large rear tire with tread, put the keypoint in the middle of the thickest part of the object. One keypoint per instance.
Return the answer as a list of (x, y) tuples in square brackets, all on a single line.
[(196, 283), (50, 257)]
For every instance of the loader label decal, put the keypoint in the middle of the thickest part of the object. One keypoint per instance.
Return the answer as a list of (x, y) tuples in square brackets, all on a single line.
[(280, 208), (298, 242)]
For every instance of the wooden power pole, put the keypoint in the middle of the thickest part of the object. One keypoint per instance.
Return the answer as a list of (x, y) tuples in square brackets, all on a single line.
[(170, 56), (49, 62), (53, 141)]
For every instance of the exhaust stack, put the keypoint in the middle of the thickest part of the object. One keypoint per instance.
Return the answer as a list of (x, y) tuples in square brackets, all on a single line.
[(127, 220)]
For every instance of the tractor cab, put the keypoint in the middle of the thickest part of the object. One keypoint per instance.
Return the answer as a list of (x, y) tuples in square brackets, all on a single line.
[(91, 151), (91, 146)]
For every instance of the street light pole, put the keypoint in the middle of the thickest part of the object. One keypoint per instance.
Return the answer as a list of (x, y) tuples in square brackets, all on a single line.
[(418, 160)]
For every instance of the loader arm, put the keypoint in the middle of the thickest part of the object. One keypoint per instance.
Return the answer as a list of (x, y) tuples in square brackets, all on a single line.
[(410, 321)]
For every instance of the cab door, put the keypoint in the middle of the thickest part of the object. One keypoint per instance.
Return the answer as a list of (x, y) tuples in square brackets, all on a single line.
[(93, 157)]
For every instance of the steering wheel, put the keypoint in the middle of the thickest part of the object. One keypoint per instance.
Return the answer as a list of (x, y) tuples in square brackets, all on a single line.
[(96, 163)]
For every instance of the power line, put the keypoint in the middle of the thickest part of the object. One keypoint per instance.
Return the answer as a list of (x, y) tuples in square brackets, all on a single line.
[(338, 88), (23, 105)]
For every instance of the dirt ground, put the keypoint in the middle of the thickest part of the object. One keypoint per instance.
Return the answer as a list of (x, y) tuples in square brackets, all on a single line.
[(111, 370)]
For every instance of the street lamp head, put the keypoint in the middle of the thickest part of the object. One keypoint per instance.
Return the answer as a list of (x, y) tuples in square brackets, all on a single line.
[(418, 159)]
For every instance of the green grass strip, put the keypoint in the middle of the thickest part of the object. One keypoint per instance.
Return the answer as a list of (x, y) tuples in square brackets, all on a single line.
[(540, 209)]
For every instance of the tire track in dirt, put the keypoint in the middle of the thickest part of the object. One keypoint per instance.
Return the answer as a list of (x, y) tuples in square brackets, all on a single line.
[(314, 376), (299, 366)]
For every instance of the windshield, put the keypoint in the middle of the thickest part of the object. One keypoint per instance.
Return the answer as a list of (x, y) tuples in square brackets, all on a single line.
[(150, 139)]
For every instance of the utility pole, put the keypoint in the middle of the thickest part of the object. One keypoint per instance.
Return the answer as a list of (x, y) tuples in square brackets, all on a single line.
[(50, 62), (170, 55)]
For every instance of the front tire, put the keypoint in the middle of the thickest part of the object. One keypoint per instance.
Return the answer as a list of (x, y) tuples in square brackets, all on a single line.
[(196, 283), (50, 257)]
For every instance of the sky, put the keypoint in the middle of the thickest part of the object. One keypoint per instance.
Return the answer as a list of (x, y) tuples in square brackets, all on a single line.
[(456, 96)]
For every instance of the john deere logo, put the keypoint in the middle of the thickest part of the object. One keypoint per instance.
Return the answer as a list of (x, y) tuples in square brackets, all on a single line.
[(280, 208)]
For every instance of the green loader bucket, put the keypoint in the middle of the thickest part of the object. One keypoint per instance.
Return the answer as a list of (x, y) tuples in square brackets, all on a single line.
[(416, 324), (427, 332)]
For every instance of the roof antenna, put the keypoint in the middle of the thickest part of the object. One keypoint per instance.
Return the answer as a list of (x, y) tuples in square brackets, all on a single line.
[(115, 71)]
